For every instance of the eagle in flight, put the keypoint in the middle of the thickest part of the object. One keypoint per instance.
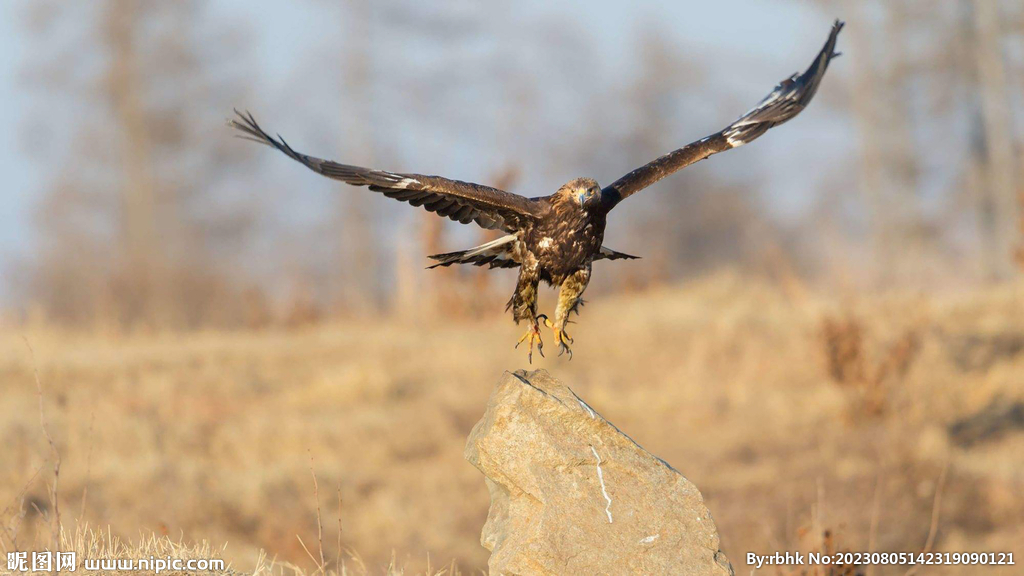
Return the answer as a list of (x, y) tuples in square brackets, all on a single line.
[(554, 238)]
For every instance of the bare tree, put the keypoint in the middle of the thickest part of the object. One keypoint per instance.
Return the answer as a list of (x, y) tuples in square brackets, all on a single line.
[(142, 263), (147, 242), (998, 162), (356, 273), (883, 109)]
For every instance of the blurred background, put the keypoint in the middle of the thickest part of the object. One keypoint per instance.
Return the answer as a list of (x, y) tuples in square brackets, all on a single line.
[(842, 296)]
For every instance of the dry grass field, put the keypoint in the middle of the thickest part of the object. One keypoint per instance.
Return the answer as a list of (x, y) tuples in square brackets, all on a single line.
[(888, 421)]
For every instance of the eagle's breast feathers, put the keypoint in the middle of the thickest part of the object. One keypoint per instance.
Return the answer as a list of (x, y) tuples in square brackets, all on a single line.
[(567, 239)]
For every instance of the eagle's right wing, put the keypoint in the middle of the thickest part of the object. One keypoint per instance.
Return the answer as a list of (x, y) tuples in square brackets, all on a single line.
[(463, 202), (787, 100)]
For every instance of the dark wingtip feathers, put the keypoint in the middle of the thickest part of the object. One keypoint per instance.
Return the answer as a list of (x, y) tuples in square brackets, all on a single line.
[(837, 26), (249, 129)]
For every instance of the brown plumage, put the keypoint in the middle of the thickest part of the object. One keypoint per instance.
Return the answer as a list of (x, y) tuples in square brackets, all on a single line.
[(554, 238)]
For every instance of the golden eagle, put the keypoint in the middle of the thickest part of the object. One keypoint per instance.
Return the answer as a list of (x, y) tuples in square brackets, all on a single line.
[(554, 238)]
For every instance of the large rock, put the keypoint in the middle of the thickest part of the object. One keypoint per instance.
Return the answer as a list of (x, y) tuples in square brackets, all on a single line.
[(571, 494)]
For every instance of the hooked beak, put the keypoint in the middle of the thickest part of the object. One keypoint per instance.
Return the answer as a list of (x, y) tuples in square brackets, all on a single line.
[(581, 197)]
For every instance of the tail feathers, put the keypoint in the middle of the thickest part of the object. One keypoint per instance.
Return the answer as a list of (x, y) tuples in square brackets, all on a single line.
[(609, 254), (492, 261), (495, 254), (498, 254)]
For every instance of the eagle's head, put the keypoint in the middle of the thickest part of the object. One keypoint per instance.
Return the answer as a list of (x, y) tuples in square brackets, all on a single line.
[(585, 192)]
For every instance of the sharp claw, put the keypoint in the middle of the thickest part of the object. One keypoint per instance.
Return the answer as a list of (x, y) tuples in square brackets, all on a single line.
[(564, 340)]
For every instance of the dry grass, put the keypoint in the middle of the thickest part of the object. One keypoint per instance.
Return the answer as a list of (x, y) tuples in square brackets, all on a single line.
[(208, 436), (871, 383)]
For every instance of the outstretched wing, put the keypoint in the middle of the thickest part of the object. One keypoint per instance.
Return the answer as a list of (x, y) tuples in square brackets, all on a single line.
[(787, 100), (463, 202)]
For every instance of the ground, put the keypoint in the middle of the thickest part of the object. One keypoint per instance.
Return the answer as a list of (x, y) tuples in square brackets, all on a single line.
[(794, 412)]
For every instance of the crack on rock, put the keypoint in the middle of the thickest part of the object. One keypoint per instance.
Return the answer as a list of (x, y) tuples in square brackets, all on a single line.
[(521, 376), (604, 491), (583, 404)]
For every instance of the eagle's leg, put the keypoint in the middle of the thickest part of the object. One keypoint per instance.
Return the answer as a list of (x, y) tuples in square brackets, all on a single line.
[(569, 300), (524, 307)]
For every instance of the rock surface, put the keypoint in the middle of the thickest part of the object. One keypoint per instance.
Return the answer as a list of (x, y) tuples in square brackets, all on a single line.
[(571, 494)]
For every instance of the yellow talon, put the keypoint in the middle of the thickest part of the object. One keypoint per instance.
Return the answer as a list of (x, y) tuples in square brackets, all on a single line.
[(563, 339), (533, 337)]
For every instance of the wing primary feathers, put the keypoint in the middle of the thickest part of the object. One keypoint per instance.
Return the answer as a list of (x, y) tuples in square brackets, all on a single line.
[(787, 100)]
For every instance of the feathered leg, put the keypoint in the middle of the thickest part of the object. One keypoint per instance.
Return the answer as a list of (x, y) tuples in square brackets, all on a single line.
[(524, 306), (569, 300)]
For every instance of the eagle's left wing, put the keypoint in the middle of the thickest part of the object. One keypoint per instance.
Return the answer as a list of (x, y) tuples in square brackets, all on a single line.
[(463, 202), (786, 101)]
